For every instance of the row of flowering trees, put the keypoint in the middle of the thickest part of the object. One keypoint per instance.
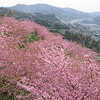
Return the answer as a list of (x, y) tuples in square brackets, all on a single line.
[(48, 68)]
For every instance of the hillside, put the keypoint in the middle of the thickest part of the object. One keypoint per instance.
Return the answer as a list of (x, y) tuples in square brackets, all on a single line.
[(56, 25), (96, 20), (37, 64), (63, 13)]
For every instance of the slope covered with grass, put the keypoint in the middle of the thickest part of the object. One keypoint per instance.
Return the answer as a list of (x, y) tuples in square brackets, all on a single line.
[(38, 65)]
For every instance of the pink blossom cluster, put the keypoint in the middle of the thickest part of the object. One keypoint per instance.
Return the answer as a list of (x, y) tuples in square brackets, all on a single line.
[(50, 68)]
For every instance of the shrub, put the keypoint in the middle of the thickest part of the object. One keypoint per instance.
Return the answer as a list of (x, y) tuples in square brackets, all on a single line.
[(30, 38)]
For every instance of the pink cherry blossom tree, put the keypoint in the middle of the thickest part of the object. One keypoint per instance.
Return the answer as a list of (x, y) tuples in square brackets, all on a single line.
[(48, 69)]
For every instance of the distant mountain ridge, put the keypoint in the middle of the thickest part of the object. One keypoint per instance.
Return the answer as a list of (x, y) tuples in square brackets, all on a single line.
[(96, 13), (63, 13)]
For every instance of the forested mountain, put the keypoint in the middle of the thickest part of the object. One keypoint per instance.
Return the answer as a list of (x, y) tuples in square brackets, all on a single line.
[(18, 14), (63, 13), (47, 20)]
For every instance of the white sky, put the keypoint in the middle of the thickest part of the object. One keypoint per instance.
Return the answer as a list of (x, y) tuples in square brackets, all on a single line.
[(82, 5)]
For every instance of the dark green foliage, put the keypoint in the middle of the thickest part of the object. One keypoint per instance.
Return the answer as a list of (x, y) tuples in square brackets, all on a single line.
[(5, 96), (10, 14), (1, 85), (60, 26), (86, 41), (51, 24), (21, 46), (46, 17), (54, 31), (43, 22), (74, 37)]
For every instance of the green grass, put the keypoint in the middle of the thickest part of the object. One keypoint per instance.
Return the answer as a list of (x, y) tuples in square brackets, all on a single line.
[(30, 38)]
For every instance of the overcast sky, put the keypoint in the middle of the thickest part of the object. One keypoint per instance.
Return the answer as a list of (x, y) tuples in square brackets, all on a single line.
[(82, 5)]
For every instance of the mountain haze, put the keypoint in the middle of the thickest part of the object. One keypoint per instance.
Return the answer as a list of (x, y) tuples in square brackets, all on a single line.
[(63, 13), (96, 13)]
